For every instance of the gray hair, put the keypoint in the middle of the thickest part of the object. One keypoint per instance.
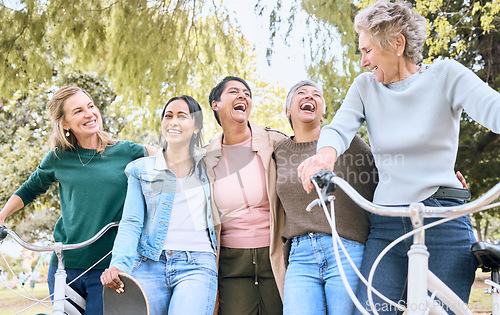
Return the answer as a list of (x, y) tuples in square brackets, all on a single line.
[(384, 20), (294, 89)]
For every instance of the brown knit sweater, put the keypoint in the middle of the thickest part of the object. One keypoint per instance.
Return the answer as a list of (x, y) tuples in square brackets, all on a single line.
[(356, 166)]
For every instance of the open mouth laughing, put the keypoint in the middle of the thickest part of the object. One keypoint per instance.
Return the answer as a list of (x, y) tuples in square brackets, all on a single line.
[(240, 107), (307, 106)]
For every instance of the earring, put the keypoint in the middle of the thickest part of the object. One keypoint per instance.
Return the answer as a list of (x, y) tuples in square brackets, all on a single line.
[(399, 55), (67, 133)]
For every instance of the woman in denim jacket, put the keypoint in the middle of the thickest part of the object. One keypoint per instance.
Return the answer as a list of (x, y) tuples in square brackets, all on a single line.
[(166, 238)]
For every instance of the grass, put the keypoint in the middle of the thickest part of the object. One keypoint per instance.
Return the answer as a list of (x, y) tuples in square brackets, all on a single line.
[(479, 302), (11, 303)]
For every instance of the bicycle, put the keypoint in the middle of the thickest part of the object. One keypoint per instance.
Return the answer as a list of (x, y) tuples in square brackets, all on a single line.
[(420, 279), (62, 291)]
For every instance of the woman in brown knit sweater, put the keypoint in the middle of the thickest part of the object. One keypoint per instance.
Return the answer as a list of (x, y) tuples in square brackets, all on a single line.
[(312, 282)]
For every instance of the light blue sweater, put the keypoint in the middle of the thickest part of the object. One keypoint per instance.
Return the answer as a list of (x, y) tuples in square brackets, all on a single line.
[(413, 126)]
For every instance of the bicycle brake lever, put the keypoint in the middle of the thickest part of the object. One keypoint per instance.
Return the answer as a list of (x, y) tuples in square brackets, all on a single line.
[(313, 204), (3, 232), (324, 180)]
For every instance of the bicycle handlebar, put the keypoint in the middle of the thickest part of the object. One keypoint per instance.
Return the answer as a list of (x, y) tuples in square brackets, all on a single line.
[(327, 178), (48, 248)]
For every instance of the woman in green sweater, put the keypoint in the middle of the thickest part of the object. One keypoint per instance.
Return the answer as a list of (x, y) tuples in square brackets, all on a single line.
[(89, 166)]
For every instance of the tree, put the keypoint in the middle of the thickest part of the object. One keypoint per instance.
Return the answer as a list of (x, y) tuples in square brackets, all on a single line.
[(146, 49), (331, 38), (268, 105)]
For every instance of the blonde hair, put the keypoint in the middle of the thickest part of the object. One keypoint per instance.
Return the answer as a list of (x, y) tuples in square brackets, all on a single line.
[(58, 139), (384, 20)]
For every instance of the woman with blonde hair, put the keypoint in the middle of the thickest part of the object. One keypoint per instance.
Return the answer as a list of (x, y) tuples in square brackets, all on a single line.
[(412, 111), (89, 167)]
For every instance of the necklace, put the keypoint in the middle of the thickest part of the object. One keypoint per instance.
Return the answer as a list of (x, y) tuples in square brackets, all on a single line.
[(84, 164)]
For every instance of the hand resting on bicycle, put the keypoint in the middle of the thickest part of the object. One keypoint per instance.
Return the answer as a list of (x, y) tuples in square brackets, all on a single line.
[(323, 160)]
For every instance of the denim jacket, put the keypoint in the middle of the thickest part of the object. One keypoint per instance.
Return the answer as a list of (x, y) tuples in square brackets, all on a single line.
[(148, 205)]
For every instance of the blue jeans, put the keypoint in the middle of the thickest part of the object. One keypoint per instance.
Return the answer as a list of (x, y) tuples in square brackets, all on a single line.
[(88, 286), (312, 281), (450, 257), (179, 283)]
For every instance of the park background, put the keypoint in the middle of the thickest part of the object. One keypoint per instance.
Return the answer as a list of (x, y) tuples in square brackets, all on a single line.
[(133, 55)]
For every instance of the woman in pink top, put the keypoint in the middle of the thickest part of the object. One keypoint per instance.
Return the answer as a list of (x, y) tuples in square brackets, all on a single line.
[(242, 173)]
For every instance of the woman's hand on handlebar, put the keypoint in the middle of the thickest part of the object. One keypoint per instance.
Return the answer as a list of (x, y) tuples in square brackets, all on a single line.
[(323, 160), (110, 279)]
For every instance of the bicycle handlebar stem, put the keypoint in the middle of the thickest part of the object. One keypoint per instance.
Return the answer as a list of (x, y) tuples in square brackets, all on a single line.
[(58, 248), (417, 220)]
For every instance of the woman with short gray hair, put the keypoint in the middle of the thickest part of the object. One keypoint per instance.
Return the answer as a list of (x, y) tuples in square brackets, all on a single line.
[(385, 20), (312, 280), (412, 111)]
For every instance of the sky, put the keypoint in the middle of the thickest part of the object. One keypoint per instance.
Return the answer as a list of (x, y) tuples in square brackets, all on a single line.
[(288, 64)]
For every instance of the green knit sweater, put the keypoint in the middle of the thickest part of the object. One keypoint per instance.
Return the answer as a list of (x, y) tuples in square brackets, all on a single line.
[(91, 196)]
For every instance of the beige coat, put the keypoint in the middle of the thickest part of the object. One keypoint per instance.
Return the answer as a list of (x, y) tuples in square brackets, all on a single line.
[(264, 140)]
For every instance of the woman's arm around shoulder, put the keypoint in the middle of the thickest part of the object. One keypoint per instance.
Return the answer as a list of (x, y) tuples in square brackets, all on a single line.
[(151, 150)]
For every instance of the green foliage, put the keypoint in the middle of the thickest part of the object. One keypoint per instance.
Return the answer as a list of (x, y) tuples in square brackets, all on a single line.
[(478, 159), (268, 106), (24, 138), (146, 49), (145, 53), (329, 32)]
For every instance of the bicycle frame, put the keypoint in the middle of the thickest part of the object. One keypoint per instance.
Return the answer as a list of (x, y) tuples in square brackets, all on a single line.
[(420, 278), (59, 300)]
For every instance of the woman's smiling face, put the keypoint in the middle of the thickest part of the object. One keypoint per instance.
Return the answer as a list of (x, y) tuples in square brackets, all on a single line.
[(178, 125), (235, 102), (306, 106), (381, 62), (81, 116)]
